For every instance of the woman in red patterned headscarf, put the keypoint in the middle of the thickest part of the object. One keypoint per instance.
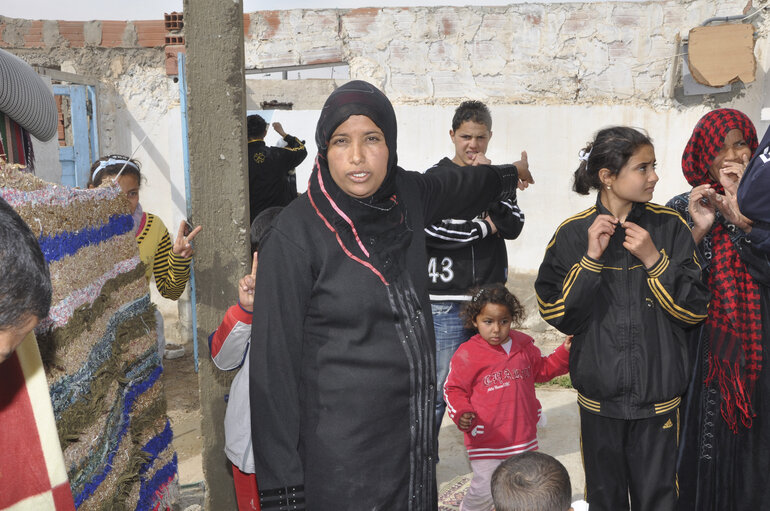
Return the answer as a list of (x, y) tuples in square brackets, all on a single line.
[(725, 448)]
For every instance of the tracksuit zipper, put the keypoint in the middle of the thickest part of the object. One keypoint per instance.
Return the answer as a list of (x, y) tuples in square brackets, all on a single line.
[(627, 343)]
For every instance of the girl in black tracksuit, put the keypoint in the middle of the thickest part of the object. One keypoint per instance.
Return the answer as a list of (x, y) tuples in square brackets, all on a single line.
[(623, 277)]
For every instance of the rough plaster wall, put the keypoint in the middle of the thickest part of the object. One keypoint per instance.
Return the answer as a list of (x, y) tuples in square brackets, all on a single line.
[(303, 94), (523, 53), (553, 75)]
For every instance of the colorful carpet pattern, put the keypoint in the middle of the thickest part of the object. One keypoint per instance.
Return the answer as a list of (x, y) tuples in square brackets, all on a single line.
[(451, 494), (99, 346)]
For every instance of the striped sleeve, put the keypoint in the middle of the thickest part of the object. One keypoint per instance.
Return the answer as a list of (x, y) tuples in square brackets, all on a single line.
[(458, 387), (675, 280), (293, 154), (171, 271), (564, 302), (507, 217), (676, 304), (568, 278), (452, 231), (229, 343)]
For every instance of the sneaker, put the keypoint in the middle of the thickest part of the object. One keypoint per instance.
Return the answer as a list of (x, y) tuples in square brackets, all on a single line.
[(173, 351)]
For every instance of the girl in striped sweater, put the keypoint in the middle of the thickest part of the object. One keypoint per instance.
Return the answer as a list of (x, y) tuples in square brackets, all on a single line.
[(169, 264)]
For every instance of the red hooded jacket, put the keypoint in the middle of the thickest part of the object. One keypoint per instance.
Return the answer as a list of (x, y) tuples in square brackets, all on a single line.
[(499, 388)]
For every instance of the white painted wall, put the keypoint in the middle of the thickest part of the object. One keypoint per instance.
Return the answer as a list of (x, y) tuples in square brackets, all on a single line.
[(47, 164)]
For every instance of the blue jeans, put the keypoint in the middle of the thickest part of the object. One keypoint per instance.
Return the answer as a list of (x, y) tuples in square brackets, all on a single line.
[(450, 334)]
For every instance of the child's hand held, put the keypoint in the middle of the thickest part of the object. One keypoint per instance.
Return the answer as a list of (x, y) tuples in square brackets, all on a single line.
[(640, 244), (480, 159), (599, 235), (183, 243), (246, 287), (466, 420)]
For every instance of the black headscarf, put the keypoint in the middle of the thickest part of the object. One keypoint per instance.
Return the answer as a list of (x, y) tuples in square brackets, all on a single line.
[(374, 230)]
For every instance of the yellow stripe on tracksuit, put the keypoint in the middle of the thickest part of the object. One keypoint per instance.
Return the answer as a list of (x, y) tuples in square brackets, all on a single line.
[(589, 404), (660, 408), (667, 302), (657, 208), (666, 407), (664, 298), (580, 215), (556, 309)]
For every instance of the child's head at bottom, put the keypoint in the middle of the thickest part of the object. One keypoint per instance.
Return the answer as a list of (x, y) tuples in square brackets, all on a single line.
[(491, 311), (531, 481)]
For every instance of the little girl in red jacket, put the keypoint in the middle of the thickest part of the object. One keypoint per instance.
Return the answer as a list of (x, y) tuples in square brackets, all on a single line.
[(490, 388)]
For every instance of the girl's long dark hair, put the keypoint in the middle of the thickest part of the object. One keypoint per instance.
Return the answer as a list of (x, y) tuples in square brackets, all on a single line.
[(611, 149)]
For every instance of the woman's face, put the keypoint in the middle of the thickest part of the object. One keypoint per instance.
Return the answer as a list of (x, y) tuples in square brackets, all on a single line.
[(358, 156), (637, 179), (734, 148), (130, 186)]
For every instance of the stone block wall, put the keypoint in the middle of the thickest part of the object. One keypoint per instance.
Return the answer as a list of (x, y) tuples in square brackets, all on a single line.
[(598, 52)]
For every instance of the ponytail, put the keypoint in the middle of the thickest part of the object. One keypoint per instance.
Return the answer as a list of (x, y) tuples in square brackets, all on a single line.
[(611, 149), (583, 181)]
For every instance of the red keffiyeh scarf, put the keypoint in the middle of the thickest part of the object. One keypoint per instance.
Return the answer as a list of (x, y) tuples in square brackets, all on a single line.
[(733, 329)]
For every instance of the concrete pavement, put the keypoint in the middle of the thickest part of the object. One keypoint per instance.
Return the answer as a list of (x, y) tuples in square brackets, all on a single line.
[(559, 437)]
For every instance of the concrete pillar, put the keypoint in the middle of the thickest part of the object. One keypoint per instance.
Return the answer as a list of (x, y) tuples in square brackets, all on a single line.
[(219, 193)]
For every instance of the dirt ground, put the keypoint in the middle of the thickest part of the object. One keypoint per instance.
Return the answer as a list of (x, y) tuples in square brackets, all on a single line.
[(184, 410)]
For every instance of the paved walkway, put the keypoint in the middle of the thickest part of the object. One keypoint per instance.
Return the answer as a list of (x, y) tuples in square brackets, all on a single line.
[(560, 437)]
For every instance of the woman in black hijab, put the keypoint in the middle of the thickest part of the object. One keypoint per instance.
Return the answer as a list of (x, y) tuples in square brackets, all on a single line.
[(342, 376)]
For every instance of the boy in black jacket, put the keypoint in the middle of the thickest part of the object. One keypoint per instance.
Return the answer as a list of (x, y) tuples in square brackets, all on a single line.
[(463, 254)]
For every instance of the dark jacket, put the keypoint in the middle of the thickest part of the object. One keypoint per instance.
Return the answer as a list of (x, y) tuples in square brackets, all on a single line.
[(753, 193), (463, 253), (629, 358), (342, 389), (269, 167)]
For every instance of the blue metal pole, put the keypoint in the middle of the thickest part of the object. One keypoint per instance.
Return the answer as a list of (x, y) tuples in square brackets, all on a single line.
[(186, 156)]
